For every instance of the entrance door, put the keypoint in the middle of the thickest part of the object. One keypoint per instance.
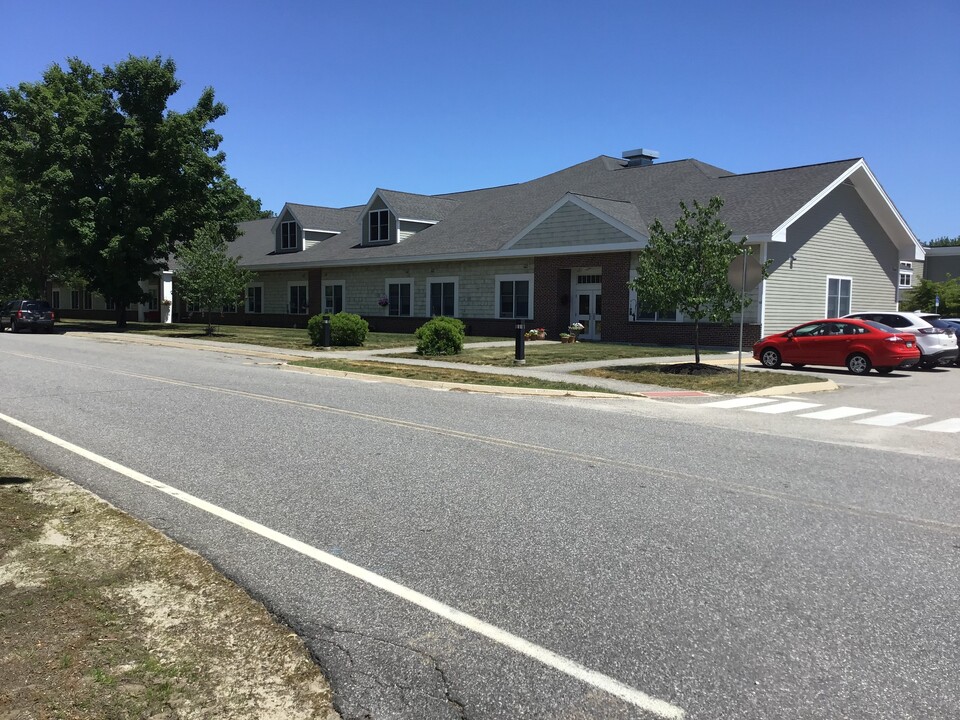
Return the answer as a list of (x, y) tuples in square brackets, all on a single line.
[(588, 310)]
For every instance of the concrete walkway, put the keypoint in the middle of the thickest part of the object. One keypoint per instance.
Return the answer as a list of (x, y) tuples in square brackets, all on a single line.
[(559, 373)]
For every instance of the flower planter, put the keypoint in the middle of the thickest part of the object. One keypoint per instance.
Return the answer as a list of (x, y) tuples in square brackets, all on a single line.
[(568, 340)]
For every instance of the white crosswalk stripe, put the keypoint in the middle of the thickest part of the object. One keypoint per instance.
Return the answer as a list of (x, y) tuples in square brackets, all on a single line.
[(740, 402), (837, 413), (891, 419), (950, 426), (784, 407)]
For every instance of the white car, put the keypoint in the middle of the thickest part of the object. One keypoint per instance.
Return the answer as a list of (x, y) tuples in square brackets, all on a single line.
[(938, 345)]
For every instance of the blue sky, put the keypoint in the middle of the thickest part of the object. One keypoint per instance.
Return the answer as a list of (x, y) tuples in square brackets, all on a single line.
[(329, 100)]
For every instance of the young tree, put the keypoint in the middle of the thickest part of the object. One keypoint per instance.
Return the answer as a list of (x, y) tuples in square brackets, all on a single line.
[(206, 276), (923, 297), (686, 268)]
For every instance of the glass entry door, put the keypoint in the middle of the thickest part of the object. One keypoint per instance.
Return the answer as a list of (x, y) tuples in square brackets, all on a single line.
[(588, 311)]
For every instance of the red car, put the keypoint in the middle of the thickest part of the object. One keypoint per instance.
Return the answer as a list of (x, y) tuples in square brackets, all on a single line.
[(857, 345)]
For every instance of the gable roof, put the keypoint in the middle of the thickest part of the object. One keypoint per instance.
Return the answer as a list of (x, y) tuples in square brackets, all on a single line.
[(484, 223)]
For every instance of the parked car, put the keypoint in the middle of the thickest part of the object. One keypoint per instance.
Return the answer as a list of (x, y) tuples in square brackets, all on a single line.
[(33, 314), (955, 324), (938, 346), (858, 345)]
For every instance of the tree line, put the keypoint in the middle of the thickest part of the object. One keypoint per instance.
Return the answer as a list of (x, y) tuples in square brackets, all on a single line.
[(101, 182)]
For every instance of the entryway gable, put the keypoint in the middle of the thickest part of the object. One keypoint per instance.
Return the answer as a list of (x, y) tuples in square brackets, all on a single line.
[(581, 221)]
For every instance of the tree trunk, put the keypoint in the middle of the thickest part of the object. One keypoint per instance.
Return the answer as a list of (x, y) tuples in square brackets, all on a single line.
[(696, 341), (121, 315)]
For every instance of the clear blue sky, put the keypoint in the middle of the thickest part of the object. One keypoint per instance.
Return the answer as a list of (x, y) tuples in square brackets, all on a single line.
[(329, 100)]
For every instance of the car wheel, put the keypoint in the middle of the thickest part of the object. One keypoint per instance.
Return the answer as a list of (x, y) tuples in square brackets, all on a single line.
[(798, 366), (13, 326), (858, 364), (770, 358), (884, 370)]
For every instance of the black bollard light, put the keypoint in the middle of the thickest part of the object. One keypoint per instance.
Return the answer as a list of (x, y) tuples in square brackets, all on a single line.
[(518, 357), (326, 332)]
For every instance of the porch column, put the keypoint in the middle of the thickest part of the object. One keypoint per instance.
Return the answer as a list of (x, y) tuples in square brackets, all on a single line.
[(166, 296)]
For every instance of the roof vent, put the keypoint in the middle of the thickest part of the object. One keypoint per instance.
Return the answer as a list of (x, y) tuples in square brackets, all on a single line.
[(640, 157)]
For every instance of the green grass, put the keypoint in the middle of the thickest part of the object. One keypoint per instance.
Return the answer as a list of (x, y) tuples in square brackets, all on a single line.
[(536, 353), (284, 338), (724, 380)]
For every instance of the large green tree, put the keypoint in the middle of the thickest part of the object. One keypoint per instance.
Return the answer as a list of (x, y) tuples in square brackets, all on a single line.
[(923, 297), (944, 241), (685, 269), (112, 181), (207, 277)]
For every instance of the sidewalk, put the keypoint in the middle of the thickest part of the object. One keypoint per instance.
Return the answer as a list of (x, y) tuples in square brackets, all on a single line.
[(561, 373)]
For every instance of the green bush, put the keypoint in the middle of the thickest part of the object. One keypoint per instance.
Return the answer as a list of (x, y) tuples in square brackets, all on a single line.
[(440, 336), (345, 329)]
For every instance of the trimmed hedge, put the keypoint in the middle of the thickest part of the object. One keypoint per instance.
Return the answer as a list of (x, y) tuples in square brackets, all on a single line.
[(346, 329), (440, 336)]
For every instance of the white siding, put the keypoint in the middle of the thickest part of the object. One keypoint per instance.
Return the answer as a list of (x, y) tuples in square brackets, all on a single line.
[(839, 237)]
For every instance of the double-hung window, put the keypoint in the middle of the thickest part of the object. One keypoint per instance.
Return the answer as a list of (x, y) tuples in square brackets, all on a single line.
[(333, 298), (838, 296), (442, 297), (254, 299), (298, 299), (288, 235), (400, 297), (514, 296), (379, 225), (75, 299)]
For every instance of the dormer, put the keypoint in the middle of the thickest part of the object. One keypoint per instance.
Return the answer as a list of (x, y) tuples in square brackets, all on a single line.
[(390, 217), (288, 233), (300, 227)]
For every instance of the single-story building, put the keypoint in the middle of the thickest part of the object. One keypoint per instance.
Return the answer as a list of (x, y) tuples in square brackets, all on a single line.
[(562, 248)]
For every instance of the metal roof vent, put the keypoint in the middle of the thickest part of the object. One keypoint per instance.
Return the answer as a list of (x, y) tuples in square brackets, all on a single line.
[(639, 157)]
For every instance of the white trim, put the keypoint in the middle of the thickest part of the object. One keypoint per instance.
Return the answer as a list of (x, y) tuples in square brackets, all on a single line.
[(246, 298), (399, 281), (369, 216), (306, 296), (424, 222), (331, 232), (596, 212), (826, 304), (514, 277), (323, 294), (762, 296), (296, 236), (456, 292)]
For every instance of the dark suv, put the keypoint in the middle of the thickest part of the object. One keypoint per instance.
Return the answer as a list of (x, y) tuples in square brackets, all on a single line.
[(33, 314)]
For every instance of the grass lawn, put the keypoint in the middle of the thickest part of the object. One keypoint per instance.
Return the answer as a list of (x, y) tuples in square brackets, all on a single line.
[(536, 353), (723, 380), (286, 338)]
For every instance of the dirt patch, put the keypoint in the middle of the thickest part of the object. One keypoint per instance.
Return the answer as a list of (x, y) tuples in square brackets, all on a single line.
[(103, 617)]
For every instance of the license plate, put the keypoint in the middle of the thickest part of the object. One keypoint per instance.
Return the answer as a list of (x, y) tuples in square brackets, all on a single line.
[(909, 344)]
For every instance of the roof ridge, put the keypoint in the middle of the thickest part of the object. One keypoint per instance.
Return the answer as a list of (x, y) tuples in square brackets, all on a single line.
[(795, 167)]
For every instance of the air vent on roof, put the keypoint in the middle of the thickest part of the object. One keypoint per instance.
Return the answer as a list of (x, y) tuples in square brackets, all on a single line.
[(641, 156)]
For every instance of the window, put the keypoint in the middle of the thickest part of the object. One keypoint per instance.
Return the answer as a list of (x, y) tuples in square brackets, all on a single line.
[(288, 235), (656, 316), (56, 299), (379, 225), (154, 301), (254, 298), (298, 299), (442, 297), (333, 298), (514, 296), (229, 308), (87, 300), (399, 295), (906, 278), (838, 296), (75, 300)]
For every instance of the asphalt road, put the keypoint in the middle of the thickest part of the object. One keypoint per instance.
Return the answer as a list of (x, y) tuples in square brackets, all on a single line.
[(454, 555)]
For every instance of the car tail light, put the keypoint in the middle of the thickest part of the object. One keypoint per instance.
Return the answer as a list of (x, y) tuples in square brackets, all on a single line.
[(20, 314), (931, 331)]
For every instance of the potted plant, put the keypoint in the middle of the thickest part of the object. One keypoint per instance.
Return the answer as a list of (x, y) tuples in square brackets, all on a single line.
[(536, 334), (567, 338), (575, 329)]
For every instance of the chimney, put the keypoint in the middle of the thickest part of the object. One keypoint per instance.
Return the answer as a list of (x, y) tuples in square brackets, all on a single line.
[(640, 157)]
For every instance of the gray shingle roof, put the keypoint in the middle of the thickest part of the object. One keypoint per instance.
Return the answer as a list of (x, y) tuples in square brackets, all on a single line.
[(480, 222)]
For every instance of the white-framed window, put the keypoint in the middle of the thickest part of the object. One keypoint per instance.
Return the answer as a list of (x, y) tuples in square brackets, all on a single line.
[(254, 298), (75, 300), (379, 225), (56, 300), (297, 292), (153, 302), (288, 235), (514, 296), (839, 291), (400, 297), (443, 297), (656, 316), (333, 298), (906, 279)]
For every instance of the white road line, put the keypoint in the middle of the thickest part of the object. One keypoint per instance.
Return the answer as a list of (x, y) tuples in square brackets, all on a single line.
[(740, 402), (837, 413), (783, 407), (891, 419), (949, 426), (660, 708)]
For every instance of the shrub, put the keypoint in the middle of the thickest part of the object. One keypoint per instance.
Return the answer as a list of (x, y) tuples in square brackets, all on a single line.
[(345, 329), (440, 336)]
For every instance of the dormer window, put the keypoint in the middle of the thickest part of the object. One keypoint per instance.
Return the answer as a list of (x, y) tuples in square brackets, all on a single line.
[(379, 225), (288, 235)]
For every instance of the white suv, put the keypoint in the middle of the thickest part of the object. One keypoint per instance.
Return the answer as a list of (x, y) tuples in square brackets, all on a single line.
[(938, 345)]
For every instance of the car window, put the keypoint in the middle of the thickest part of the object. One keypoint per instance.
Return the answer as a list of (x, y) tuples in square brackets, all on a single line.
[(897, 321), (810, 330), (848, 329), (880, 326)]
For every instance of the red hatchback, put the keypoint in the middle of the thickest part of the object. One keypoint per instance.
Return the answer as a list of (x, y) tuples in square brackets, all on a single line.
[(857, 345)]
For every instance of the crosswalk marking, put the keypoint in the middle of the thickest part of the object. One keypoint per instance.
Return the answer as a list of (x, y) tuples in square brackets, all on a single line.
[(784, 407), (740, 402), (891, 419), (950, 426), (837, 413)]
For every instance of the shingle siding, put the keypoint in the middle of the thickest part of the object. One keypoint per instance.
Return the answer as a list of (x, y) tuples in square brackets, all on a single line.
[(837, 238), (571, 226)]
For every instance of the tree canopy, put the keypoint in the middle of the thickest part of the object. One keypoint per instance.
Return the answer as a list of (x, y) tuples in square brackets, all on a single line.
[(107, 181), (685, 269), (944, 241)]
